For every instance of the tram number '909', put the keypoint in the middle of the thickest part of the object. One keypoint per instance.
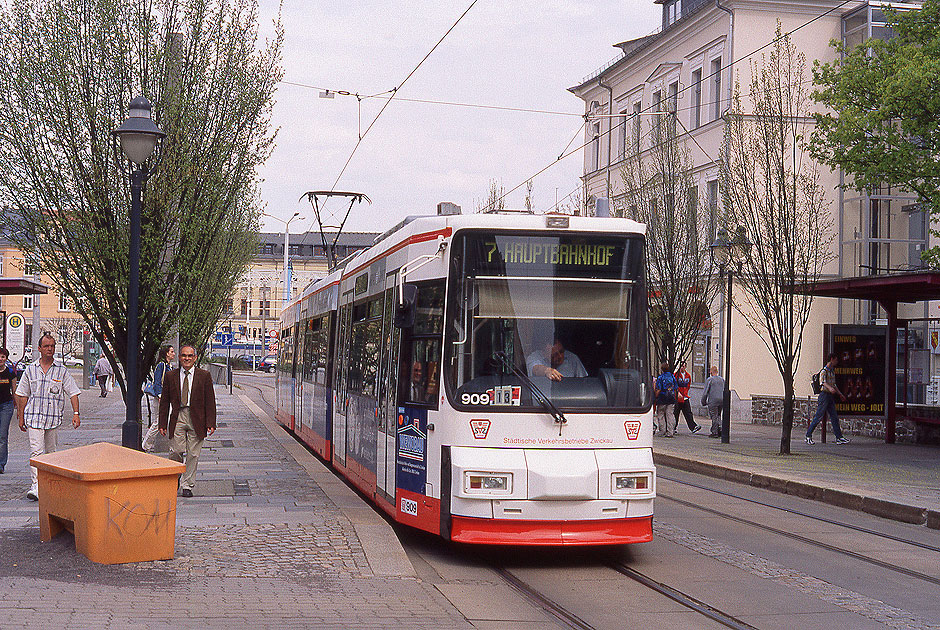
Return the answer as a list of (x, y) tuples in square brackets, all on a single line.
[(481, 398)]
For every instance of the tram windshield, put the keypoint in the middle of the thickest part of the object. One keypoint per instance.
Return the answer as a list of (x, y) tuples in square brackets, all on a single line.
[(567, 310)]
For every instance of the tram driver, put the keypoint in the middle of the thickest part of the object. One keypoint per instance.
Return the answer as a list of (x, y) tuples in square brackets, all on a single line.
[(555, 363)]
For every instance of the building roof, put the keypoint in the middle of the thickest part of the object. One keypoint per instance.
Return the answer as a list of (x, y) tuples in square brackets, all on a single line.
[(633, 46)]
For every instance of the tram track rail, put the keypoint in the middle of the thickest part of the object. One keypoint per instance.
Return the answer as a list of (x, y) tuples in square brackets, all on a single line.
[(857, 528), (804, 539), (571, 619), (679, 597)]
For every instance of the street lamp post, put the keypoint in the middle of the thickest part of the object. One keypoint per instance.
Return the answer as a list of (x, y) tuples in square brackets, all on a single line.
[(285, 297), (726, 251), (138, 136)]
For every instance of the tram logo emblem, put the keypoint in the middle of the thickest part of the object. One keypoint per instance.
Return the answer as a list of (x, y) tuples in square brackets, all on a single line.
[(480, 428), (633, 429)]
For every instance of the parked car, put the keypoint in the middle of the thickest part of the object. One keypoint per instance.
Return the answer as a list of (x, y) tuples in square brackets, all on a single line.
[(267, 364), (69, 360)]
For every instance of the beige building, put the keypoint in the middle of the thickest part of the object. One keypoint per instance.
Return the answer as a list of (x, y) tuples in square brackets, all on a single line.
[(55, 311), (257, 302), (690, 67)]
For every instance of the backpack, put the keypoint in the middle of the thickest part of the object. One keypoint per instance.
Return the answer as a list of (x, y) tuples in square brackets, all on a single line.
[(667, 393), (817, 386)]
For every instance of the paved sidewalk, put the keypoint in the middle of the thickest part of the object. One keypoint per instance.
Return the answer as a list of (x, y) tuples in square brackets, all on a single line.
[(898, 481), (271, 540)]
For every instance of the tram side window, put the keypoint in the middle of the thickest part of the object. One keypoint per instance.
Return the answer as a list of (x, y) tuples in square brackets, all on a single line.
[(366, 331), (312, 341), (424, 347)]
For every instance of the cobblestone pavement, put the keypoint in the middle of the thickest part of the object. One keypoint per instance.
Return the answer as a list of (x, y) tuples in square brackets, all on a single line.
[(260, 546)]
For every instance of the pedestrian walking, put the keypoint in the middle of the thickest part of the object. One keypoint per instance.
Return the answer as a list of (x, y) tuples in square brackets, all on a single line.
[(683, 404), (102, 373), (7, 387), (664, 396), (154, 389), (187, 414), (826, 403), (40, 397), (713, 399)]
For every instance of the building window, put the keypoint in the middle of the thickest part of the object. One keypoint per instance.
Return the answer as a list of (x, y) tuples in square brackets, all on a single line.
[(622, 140), (64, 303), (696, 99), (265, 308), (716, 88), (711, 188), (637, 108), (672, 106), (595, 157), (657, 107), (670, 12), (28, 302), (244, 309)]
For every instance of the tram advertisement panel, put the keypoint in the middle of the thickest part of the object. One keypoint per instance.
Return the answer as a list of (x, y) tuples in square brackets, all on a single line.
[(412, 456), (861, 372)]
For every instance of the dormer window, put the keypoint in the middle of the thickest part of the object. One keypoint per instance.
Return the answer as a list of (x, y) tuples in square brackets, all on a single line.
[(671, 12)]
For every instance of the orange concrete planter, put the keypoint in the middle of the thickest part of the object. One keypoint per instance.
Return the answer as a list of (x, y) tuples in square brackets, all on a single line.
[(119, 503)]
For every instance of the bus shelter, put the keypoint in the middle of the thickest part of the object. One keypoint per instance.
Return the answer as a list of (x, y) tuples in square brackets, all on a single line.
[(888, 291), (17, 286)]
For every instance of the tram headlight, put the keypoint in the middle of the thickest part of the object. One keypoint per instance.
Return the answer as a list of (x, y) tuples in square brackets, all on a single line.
[(485, 483), (638, 483)]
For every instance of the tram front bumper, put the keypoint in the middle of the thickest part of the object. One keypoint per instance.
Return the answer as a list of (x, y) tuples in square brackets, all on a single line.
[(562, 485)]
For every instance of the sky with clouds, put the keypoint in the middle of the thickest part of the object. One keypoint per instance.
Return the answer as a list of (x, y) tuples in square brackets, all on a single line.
[(509, 53)]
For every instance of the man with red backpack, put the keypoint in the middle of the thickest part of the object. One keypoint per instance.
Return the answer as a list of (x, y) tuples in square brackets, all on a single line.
[(683, 406)]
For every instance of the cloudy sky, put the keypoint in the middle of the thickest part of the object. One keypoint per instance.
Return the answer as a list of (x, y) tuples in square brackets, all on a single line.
[(506, 53)]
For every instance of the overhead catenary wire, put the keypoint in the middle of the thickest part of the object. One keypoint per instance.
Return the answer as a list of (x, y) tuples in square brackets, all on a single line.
[(393, 91)]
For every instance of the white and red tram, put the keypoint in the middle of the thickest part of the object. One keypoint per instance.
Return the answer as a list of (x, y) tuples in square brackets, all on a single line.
[(413, 369)]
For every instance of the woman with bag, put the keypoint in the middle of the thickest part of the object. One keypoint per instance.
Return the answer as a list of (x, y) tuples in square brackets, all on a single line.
[(103, 372), (155, 389)]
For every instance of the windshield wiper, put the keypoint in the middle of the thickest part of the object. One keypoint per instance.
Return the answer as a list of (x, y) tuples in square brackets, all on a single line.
[(536, 392)]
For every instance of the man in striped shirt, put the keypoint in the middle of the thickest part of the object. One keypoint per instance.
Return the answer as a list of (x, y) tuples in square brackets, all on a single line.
[(41, 396)]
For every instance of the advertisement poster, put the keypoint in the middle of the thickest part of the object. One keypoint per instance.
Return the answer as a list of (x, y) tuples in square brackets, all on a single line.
[(412, 456), (861, 373)]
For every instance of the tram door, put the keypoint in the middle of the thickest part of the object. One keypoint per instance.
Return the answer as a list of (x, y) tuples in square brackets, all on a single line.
[(340, 382), (387, 420)]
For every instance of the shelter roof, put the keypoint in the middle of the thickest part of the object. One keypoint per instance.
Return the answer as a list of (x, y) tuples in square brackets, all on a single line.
[(903, 287), (22, 286)]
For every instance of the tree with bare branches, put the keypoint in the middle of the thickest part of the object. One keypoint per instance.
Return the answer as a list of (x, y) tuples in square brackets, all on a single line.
[(68, 69), (661, 193), (771, 193)]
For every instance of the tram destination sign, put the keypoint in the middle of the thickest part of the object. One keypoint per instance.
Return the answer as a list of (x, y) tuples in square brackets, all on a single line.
[(543, 252), (861, 374)]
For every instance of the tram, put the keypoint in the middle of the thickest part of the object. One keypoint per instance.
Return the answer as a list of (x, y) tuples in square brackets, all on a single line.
[(483, 377)]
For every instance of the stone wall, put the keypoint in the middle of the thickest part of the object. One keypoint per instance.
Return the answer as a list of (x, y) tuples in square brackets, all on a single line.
[(769, 410)]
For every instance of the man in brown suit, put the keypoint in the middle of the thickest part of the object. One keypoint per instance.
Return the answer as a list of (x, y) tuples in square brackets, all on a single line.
[(187, 414)]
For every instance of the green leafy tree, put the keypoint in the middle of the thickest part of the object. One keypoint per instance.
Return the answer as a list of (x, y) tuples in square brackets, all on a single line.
[(68, 69), (883, 126), (772, 195)]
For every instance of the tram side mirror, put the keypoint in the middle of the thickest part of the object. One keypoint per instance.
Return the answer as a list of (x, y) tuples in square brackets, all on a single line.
[(405, 309)]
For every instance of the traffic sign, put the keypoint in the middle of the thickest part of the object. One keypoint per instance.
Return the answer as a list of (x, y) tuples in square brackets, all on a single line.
[(16, 338), (226, 339)]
